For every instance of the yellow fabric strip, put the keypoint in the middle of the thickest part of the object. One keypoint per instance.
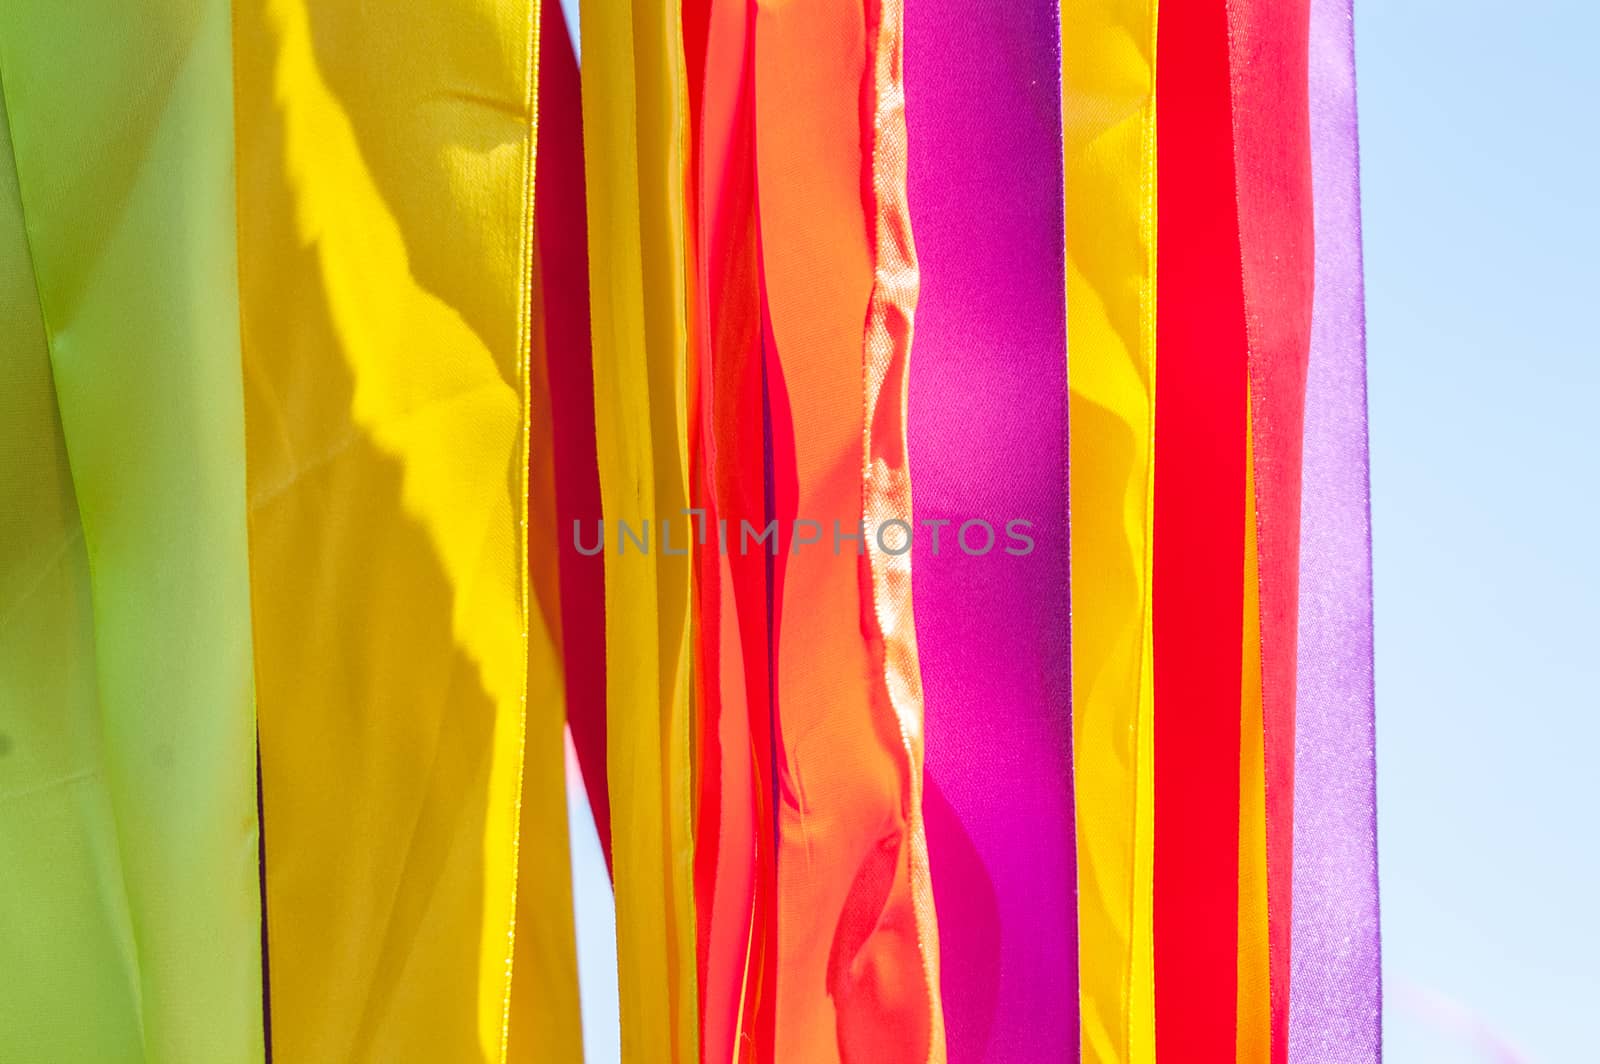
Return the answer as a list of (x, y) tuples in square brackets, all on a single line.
[(1108, 71), (544, 1021), (385, 170), (1254, 1012), (121, 123), (634, 107)]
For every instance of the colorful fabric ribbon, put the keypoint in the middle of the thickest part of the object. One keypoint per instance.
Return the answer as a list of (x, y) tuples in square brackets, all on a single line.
[(993, 631), (916, 450)]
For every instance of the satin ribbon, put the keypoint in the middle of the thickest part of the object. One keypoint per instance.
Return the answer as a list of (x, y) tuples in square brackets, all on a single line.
[(881, 1016), (634, 125), (856, 965), (988, 440), (1335, 1011), (1109, 134), (1202, 454)]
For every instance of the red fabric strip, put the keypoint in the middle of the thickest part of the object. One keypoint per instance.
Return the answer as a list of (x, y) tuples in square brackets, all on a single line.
[(780, 503), (705, 639), (559, 213), (737, 846), (1198, 554), (1272, 157), (705, 644)]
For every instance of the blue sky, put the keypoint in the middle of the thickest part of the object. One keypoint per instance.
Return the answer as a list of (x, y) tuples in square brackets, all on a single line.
[(1479, 170), (1479, 163)]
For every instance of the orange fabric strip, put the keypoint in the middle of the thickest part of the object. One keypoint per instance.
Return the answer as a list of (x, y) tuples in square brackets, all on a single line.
[(857, 968), (1253, 1013)]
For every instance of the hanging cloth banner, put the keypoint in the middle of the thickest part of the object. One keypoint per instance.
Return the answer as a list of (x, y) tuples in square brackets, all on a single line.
[(857, 951), (561, 323), (1202, 454), (1335, 1011), (66, 931), (988, 444), (1109, 136), (1272, 165), (385, 217), (736, 829), (566, 669), (634, 129), (121, 124), (1254, 1008)]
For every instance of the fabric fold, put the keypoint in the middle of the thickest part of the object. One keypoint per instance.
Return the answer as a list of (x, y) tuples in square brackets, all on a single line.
[(66, 930), (857, 959), (634, 125), (1109, 66), (386, 167), (137, 754), (561, 323), (735, 828)]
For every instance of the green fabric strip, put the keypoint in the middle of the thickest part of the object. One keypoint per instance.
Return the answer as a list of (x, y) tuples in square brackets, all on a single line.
[(129, 906), (65, 936)]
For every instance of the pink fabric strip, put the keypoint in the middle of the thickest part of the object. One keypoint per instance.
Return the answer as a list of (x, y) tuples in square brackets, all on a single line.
[(988, 441), (559, 210)]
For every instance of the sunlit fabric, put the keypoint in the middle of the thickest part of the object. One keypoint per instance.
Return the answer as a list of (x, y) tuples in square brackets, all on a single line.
[(736, 856), (1108, 59), (1267, 42), (385, 179), (64, 920), (984, 116), (129, 905), (914, 452), (1198, 549), (565, 670), (1335, 1006), (634, 133), (1253, 1015), (857, 955), (560, 334)]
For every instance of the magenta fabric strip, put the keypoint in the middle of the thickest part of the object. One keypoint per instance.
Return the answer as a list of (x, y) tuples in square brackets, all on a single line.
[(1335, 1006), (988, 440)]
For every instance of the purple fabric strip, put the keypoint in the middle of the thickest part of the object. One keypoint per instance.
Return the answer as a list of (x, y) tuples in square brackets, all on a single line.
[(1335, 1007), (988, 440)]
